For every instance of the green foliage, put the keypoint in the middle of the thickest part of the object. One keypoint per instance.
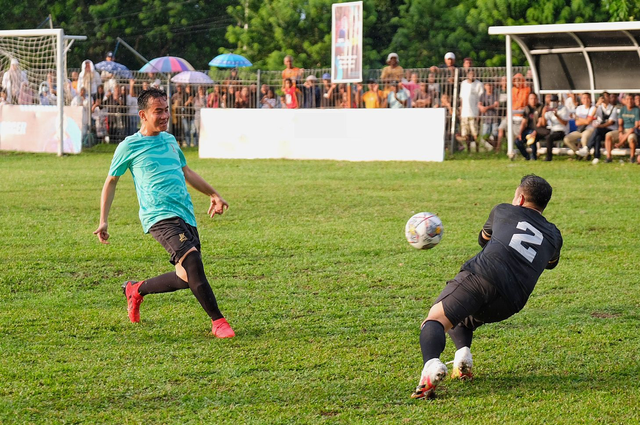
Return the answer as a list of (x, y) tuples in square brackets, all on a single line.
[(311, 268), (421, 31)]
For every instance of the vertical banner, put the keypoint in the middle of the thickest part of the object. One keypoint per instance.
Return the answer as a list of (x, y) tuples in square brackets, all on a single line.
[(346, 42)]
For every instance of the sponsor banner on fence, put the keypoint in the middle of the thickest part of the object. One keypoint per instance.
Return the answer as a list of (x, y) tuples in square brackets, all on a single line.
[(34, 128), (346, 42), (415, 134)]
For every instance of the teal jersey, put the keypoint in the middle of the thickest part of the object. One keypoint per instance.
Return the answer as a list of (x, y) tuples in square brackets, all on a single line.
[(629, 117), (156, 165)]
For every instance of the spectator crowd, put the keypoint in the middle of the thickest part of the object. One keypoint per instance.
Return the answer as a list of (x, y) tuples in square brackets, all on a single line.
[(478, 97)]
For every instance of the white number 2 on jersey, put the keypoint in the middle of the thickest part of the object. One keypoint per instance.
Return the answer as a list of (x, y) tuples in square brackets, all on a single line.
[(518, 238)]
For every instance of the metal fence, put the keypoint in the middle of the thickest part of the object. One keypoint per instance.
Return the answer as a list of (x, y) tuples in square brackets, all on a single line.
[(112, 108)]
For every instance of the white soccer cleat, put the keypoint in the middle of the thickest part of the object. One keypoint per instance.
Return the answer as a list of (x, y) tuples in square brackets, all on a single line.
[(462, 364), (433, 373)]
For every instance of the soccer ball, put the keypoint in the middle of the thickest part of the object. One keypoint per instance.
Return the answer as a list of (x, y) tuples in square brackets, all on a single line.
[(424, 230)]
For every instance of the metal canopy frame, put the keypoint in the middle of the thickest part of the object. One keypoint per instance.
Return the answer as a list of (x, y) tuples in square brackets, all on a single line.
[(584, 55)]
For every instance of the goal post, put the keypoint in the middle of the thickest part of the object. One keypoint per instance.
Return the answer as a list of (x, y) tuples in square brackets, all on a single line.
[(29, 57)]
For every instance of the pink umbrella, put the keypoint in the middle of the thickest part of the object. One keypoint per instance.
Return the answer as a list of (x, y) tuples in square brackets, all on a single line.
[(167, 64)]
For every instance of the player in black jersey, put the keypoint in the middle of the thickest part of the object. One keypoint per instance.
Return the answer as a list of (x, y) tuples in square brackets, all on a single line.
[(518, 244)]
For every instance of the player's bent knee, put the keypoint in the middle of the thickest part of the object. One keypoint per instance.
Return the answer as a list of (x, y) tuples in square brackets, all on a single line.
[(180, 270)]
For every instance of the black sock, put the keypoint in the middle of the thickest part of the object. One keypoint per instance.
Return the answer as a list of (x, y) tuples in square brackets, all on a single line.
[(461, 336), (200, 286), (167, 282), (432, 340)]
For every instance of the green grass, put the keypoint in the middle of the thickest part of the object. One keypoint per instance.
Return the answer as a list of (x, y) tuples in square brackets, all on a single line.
[(312, 270)]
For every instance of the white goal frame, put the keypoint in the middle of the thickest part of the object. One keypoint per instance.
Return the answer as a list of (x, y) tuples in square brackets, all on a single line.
[(60, 65)]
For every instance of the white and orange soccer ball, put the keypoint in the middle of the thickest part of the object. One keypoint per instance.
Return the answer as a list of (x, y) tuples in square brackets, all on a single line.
[(424, 230)]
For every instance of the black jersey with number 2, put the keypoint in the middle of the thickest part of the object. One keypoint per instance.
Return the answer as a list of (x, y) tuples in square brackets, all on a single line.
[(523, 244)]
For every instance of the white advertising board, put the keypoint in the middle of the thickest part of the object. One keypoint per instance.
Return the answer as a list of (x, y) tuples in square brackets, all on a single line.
[(336, 134)]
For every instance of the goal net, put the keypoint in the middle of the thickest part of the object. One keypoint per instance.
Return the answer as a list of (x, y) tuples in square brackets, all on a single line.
[(34, 88)]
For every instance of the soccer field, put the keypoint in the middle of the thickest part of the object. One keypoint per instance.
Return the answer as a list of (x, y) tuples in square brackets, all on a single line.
[(311, 267)]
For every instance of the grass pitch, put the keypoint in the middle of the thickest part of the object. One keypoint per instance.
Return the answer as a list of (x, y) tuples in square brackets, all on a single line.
[(311, 268)]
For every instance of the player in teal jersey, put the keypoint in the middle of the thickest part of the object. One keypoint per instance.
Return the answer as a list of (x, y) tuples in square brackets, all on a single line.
[(160, 174)]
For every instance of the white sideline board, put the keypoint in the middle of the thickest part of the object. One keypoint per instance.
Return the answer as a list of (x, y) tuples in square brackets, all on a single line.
[(415, 134)]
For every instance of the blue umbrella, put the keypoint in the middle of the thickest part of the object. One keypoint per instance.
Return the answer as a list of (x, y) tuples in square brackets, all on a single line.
[(114, 68), (230, 60)]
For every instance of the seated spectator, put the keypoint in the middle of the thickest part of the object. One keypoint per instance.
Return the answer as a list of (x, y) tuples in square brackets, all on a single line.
[(45, 95), (445, 102), (269, 101), (424, 98), (606, 121), (311, 94), (628, 122), (242, 99), (584, 115), (3, 97), (530, 122), (392, 72), (398, 96), (413, 85), (554, 124)]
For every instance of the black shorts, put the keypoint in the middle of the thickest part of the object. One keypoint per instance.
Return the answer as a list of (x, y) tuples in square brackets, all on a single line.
[(471, 301), (176, 236)]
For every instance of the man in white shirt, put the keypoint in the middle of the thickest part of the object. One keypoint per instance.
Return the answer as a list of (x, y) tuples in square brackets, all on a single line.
[(470, 92), (556, 119), (585, 114)]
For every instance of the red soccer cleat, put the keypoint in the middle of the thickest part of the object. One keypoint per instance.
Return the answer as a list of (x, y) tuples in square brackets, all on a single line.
[(220, 328), (134, 299)]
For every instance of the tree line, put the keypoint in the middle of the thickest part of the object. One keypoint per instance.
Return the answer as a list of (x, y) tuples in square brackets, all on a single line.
[(265, 31)]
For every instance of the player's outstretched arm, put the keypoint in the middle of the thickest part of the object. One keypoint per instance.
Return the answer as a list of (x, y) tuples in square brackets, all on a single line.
[(106, 199), (218, 204)]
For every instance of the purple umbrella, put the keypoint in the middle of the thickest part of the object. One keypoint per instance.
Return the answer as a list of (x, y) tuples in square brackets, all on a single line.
[(167, 64)]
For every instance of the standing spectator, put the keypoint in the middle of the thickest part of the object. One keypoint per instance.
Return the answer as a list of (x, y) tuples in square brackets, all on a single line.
[(12, 81), (488, 107), (628, 121), (311, 94), (290, 71), (89, 78), (74, 80), (177, 112), (606, 121), (290, 94), (3, 97), (188, 116), (132, 118), (372, 97), (585, 114), (556, 119), (467, 64), (470, 92), (392, 72), (528, 134), (213, 100), (329, 91), (83, 100), (433, 87), (26, 94), (199, 102)]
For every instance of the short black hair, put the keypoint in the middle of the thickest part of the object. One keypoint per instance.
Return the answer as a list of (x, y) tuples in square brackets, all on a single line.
[(147, 95), (536, 190)]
